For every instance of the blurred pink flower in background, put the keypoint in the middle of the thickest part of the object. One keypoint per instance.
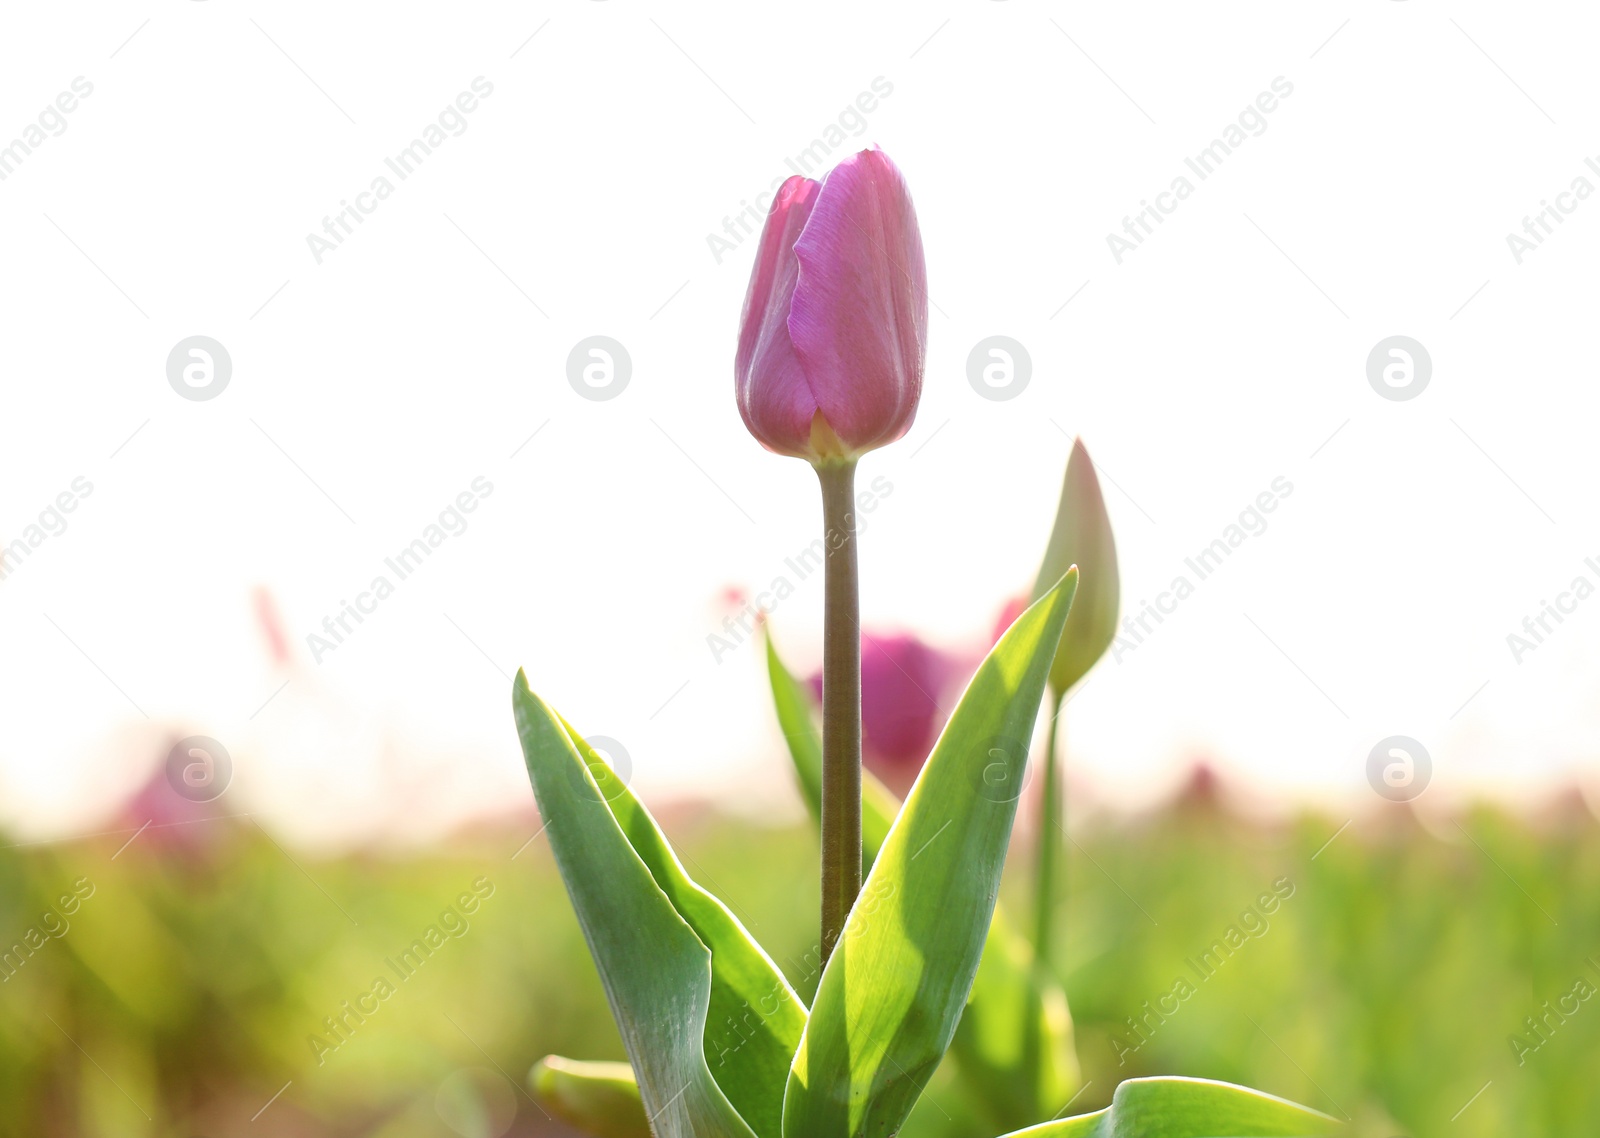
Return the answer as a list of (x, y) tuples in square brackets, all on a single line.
[(908, 690), (905, 696), (161, 819)]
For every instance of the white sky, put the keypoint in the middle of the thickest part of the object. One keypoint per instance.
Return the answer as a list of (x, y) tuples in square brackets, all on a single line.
[(369, 390)]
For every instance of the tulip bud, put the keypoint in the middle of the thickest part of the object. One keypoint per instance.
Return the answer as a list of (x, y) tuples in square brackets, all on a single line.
[(1082, 537), (835, 323)]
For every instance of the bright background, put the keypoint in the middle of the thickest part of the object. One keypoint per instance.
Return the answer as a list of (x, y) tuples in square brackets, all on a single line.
[(429, 349), (370, 389)]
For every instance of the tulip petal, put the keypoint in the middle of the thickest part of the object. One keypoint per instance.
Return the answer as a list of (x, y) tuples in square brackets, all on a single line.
[(778, 406), (858, 320)]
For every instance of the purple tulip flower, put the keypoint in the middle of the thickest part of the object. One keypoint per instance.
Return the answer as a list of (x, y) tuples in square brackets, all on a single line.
[(835, 324)]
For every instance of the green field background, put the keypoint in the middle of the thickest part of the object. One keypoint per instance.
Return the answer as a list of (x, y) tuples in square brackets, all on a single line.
[(191, 983)]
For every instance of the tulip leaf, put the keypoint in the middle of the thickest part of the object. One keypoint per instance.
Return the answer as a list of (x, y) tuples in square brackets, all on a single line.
[(1174, 1107), (754, 1019), (894, 988), (669, 954), (1081, 536), (1013, 1047), (598, 1098)]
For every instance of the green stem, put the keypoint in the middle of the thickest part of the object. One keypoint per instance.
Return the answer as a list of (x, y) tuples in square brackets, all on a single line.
[(1049, 839), (841, 704)]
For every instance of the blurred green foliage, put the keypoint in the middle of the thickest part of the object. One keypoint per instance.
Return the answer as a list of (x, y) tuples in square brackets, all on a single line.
[(183, 992)]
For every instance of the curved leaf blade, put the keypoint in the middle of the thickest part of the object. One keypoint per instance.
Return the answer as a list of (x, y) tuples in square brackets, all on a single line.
[(1169, 1106), (656, 972), (754, 1018), (1013, 1047), (598, 1098), (893, 991)]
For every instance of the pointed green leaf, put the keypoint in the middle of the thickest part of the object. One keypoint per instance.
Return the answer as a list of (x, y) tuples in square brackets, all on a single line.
[(598, 1098), (1173, 1107), (1082, 537), (656, 970), (754, 1019), (1013, 1047), (892, 992)]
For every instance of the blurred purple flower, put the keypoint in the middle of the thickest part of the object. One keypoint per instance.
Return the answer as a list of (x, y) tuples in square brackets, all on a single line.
[(171, 823), (903, 685)]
